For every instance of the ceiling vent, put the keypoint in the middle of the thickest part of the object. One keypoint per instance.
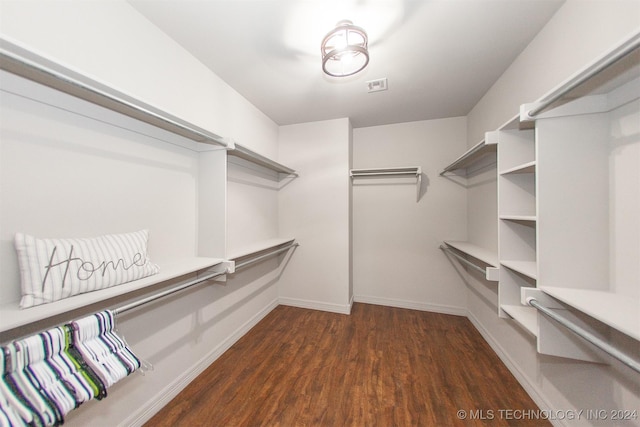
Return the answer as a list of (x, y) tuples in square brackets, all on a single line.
[(377, 85)]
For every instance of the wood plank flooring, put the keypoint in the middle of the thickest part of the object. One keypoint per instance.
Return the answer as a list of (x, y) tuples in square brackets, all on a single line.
[(379, 366)]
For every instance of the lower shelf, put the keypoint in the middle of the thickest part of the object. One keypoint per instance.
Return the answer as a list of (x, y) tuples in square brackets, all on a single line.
[(527, 317), (258, 247), (527, 268), (13, 317), (484, 255), (618, 311)]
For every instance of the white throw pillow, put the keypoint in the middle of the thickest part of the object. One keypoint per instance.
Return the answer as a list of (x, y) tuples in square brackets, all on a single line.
[(53, 269)]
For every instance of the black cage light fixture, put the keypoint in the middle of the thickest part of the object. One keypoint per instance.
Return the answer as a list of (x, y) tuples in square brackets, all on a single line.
[(344, 50)]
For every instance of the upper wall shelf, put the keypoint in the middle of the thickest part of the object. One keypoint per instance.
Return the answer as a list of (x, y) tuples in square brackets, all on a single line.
[(24, 63), (617, 68), (471, 156), (238, 150), (390, 172), (379, 172)]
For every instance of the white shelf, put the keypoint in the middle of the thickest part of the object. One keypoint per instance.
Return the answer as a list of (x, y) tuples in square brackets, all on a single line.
[(409, 171), (618, 311), (12, 316), (259, 247), (525, 316), (252, 156), (529, 167), (471, 156), (527, 268), (383, 172), (24, 63), (484, 255), (527, 218)]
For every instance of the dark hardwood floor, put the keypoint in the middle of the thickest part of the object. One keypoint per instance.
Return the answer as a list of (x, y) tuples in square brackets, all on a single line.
[(380, 366)]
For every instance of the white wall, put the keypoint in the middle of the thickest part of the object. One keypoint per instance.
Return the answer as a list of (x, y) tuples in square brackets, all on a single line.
[(396, 260), (157, 185), (314, 208), (580, 32)]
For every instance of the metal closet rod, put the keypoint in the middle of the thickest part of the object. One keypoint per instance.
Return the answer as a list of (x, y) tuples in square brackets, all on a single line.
[(21, 62), (154, 297), (415, 171), (620, 53), (261, 257), (464, 260), (586, 335), (143, 301)]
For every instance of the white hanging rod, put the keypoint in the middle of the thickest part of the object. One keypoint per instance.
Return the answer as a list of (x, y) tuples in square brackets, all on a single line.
[(586, 335), (261, 257), (464, 260), (413, 170), (609, 59), (24, 63), (166, 293)]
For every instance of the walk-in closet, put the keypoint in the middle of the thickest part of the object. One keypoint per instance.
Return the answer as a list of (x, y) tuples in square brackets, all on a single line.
[(242, 213)]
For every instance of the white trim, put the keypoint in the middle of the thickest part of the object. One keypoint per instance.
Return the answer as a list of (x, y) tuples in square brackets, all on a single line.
[(154, 404), (316, 305), (531, 388), (412, 305)]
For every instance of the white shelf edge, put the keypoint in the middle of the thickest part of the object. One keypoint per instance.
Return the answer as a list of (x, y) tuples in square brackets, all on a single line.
[(527, 317), (471, 156), (259, 247), (408, 170), (528, 268), (529, 167), (484, 255), (13, 316), (621, 312), (528, 218), (244, 153)]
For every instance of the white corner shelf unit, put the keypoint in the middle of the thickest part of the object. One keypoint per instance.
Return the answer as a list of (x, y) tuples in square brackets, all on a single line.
[(568, 207), (470, 254), (517, 221), (465, 163)]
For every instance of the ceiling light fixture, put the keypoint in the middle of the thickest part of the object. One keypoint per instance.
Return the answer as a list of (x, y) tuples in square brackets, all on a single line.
[(344, 50)]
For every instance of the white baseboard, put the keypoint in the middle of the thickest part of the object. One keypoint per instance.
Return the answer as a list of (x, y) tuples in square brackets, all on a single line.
[(412, 305), (317, 305), (138, 418), (532, 389)]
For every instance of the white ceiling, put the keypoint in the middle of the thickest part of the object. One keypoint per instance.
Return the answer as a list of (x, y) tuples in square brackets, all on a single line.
[(440, 56)]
